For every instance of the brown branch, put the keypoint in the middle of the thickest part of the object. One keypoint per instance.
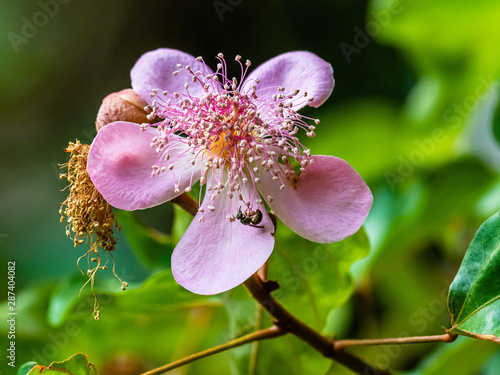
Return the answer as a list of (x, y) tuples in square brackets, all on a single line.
[(187, 203), (290, 323), (262, 272), (264, 334), (447, 337), (260, 291)]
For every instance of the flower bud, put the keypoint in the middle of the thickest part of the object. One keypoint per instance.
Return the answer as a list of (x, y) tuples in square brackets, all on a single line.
[(125, 105)]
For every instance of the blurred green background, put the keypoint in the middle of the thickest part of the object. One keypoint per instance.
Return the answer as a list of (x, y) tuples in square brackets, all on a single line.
[(414, 110)]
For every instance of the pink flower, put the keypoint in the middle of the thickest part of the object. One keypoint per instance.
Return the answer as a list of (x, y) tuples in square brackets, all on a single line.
[(239, 137)]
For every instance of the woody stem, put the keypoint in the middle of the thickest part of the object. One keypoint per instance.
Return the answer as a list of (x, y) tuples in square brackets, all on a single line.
[(187, 203), (447, 337), (290, 323), (260, 291)]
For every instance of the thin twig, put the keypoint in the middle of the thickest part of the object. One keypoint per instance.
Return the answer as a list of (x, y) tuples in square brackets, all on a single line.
[(263, 334), (447, 337)]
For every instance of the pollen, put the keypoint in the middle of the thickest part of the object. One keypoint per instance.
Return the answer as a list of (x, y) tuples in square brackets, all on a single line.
[(89, 217), (222, 146)]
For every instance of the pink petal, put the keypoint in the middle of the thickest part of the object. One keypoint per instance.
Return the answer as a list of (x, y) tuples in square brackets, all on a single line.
[(295, 70), (216, 255), (328, 203), (154, 70), (120, 164)]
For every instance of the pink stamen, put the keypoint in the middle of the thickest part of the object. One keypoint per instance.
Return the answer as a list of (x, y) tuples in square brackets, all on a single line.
[(233, 133)]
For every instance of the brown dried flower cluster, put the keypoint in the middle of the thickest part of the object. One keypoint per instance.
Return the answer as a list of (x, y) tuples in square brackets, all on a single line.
[(90, 218)]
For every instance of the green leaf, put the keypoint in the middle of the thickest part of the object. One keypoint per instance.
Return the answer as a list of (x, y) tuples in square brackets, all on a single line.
[(64, 296), (152, 247), (496, 122), (492, 365), (182, 219), (460, 357), (93, 370), (25, 369), (460, 51), (316, 277), (160, 293), (75, 365), (419, 213), (289, 355), (474, 298), (244, 316), (361, 128), (412, 25), (38, 369)]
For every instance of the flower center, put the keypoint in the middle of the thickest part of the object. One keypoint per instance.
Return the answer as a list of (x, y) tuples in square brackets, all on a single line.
[(232, 130), (223, 145)]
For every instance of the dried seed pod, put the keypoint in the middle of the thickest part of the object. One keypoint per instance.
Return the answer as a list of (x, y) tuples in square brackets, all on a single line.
[(125, 105)]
